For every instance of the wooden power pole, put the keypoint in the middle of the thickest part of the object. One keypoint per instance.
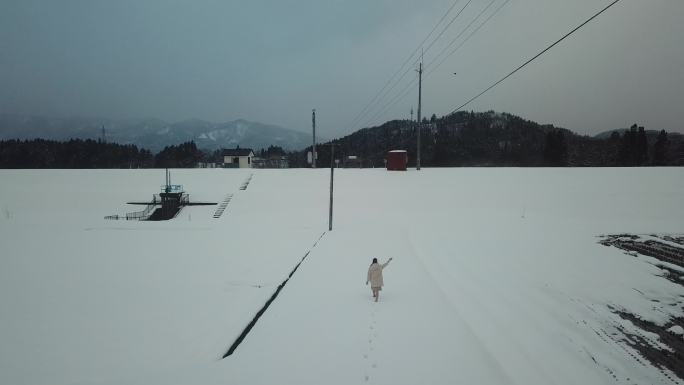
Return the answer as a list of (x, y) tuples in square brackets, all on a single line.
[(313, 148), (420, 123), (332, 174)]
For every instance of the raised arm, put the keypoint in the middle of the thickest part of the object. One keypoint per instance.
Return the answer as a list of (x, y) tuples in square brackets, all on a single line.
[(384, 265)]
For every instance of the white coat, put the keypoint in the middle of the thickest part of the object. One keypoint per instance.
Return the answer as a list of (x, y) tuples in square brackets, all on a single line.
[(375, 274)]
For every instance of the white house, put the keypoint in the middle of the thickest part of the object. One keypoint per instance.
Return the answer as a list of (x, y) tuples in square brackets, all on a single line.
[(238, 158)]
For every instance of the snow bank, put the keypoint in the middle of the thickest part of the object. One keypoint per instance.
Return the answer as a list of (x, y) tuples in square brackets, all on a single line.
[(497, 277)]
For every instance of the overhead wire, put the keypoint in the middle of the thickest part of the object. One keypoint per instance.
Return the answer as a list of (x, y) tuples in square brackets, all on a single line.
[(404, 91), (448, 25), (535, 56), (382, 91), (398, 97), (461, 33), (399, 80), (469, 36), (416, 62), (365, 111)]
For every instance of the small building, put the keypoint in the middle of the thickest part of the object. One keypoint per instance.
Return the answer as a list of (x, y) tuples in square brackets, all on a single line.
[(238, 158), (352, 161), (272, 161), (209, 165), (397, 160)]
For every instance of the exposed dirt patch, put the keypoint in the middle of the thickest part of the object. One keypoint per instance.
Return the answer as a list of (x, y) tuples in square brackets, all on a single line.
[(672, 275), (662, 251), (660, 357), (667, 351), (674, 239)]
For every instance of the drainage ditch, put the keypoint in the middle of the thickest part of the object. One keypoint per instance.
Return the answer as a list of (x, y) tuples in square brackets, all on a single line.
[(258, 315)]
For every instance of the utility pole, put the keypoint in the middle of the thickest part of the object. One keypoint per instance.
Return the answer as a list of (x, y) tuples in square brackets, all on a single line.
[(411, 124), (332, 173), (313, 148), (420, 84), (104, 138)]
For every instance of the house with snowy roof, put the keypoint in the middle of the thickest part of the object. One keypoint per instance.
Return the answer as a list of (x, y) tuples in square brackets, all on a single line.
[(238, 158)]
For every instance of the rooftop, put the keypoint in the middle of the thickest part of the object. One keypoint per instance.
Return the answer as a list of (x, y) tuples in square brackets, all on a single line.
[(238, 152)]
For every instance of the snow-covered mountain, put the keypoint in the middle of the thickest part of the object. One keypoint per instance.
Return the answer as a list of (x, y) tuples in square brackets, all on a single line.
[(154, 134)]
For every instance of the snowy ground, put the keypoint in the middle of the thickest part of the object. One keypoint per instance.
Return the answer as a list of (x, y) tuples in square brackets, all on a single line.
[(497, 277)]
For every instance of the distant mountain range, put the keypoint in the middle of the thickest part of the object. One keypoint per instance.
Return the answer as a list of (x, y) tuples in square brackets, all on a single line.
[(154, 134)]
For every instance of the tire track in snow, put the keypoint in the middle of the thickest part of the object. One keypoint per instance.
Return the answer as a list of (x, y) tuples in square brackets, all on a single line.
[(611, 332), (437, 277), (626, 341), (466, 284), (613, 343)]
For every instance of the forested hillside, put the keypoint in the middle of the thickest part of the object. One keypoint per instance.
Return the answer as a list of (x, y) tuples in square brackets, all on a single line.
[(501, 139)]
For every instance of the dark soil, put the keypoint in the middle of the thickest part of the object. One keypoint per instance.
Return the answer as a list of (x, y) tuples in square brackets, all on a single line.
[(651, 248), (675, 239), (660, 358), (672, 275)]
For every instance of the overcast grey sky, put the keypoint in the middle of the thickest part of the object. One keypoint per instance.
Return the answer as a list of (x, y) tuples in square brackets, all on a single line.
[(272, 61)]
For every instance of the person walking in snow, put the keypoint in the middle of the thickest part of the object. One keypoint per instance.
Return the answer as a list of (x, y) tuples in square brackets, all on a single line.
[(375, 277)]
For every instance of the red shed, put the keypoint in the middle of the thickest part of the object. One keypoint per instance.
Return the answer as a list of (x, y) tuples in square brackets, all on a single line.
[(397, 160)]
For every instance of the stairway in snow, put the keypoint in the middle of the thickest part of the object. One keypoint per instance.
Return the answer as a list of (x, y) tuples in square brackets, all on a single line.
[(246, 182), (222, 206)]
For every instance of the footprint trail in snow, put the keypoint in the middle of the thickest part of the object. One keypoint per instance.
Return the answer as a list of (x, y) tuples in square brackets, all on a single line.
[(371, 362)]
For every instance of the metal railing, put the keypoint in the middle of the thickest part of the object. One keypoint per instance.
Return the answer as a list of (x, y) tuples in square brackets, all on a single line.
[(172, 188), (149, 209), (144, 214), (141, 215)]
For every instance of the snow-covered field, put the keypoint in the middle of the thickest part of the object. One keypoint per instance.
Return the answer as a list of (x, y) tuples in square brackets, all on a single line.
[(497, 277)]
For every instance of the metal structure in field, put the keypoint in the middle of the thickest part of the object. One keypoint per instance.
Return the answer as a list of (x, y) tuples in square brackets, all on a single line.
[(164, 206)]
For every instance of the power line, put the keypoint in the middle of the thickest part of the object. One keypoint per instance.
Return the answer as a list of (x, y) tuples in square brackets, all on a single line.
[(448, 25), (409, 69), (404, 92), (469, 36), (367, 109), (415, 62), (536, 56), (461, 33), (401, 95)]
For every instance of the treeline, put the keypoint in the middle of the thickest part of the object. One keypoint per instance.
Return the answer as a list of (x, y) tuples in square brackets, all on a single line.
[(78, 153), (460, 139), (75, 153), (500, 139), (184, 155)]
